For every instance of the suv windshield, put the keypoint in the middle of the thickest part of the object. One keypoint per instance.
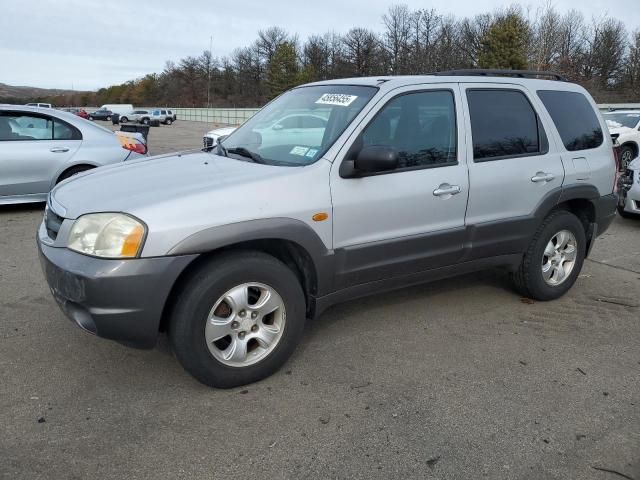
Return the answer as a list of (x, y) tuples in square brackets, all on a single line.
[(617, 120), (298, 127)]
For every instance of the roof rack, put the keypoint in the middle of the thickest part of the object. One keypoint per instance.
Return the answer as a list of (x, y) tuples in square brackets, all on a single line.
[(482, 72)]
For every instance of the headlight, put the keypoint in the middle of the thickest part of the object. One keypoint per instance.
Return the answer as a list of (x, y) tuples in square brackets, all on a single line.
[(110, 235)]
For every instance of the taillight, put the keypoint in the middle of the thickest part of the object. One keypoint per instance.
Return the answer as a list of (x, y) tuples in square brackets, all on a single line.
[(616, 156), (136, 146)]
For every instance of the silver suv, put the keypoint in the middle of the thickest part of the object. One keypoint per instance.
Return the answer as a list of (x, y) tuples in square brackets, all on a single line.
[(408, 180)]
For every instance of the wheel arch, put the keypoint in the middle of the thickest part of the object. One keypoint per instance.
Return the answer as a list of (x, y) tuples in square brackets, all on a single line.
[(633, 145), (67, 167), (291, 241)]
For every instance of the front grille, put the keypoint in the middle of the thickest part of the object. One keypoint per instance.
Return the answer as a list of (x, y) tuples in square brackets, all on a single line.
[(52, 223), (207, 143)]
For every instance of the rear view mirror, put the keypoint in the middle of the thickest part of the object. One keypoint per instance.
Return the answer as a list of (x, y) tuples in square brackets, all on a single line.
[(376, 158)]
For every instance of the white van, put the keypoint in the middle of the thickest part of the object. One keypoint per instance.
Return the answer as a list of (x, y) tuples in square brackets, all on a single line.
[(124, 109)]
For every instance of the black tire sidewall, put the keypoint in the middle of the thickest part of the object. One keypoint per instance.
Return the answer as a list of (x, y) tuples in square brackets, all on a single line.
[(560, 221), (205, 288), (124, 120)]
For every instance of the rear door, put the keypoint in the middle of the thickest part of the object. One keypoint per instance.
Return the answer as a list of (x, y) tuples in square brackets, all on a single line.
[(514, 166), (32, 148), (410, 219)]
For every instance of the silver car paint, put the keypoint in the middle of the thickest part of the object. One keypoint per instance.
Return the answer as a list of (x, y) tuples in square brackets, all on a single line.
[(30, 168), (178, 196)]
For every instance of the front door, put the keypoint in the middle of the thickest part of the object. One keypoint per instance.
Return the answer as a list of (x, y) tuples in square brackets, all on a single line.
[(410, 219), (32, 149)]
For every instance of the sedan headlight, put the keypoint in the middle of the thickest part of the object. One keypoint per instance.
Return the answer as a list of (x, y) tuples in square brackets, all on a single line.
[(109, 235)]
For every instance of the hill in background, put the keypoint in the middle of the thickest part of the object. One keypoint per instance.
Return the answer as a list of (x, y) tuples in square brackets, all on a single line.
[(20, 94)]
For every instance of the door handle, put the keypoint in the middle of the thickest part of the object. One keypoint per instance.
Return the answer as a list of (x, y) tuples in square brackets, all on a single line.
[(59, 149), (446, 189), (542, 177)]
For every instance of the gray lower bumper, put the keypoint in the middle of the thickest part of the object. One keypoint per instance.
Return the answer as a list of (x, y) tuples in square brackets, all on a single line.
[(121, 300)]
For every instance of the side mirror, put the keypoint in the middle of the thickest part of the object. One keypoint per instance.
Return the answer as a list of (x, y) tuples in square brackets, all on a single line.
[(376, 158)]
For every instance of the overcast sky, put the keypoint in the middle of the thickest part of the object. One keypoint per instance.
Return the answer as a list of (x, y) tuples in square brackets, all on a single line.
[(89, 44)]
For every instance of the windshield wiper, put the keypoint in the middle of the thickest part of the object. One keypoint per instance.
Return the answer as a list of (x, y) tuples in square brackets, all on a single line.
[(243, 152)]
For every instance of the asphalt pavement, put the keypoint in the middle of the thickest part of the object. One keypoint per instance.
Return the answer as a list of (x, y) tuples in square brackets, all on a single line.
[(458, 379)]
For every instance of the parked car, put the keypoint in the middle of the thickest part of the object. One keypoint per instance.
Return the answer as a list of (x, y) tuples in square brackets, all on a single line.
[(39, 105), (101, 114), (139, 116), (82, 113), (626, 125), (162, 115), (414, 179), (629, 191), (210, 138), (40, 149)]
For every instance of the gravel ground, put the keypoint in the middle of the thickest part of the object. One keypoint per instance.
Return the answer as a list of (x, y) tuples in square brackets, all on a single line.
[(456, 379)]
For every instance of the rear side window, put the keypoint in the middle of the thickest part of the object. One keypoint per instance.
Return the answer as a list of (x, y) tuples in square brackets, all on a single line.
[(504, 125), (574, 118)]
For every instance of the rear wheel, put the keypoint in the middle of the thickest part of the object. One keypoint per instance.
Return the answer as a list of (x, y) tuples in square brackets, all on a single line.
[(145, 121), (124, 119), (108, 118), (238, 318), (168, 121), (554, 258), (73, 171), (91, 117)]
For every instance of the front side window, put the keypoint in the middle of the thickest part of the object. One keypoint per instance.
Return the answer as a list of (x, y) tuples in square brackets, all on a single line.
[(420, 127), (504, 125), (574, 118), (298, 127)]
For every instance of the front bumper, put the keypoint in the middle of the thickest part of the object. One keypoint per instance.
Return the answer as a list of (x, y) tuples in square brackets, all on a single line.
[(122, 300)]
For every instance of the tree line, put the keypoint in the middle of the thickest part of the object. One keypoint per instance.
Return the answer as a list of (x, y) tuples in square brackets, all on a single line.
[(600, 54)]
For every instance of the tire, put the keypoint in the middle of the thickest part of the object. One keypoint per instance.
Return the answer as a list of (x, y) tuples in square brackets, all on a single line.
[(73, 171), (529, 279), (168, 121), (124, 119), (626, 156), (108, 118), (624, 214), (91, 117), (204, 291), (145, 121)]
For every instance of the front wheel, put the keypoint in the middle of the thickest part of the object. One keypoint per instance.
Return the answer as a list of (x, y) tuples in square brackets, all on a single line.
[(238, 319), (108, 118), (91, 117), (168, 121), (626, 156), (145, 121), (124, 120), (554, 258)]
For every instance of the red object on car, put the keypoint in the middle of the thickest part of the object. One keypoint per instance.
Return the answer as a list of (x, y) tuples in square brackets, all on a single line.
[(82, 113)]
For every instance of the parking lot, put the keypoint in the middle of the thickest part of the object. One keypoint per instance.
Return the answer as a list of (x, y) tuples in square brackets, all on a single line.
[(460, 378)]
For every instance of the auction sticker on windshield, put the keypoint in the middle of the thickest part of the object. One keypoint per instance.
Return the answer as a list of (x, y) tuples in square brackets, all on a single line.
[(336, 99)]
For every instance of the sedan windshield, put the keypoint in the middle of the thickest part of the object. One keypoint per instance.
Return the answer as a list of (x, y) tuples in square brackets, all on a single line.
[(298, 127), (617, 120)]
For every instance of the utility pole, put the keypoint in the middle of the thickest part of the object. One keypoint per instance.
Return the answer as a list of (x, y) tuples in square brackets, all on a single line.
[(209, 72)]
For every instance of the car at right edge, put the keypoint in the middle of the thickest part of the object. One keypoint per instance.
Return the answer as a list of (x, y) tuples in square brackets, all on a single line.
[(624, 126), (410, 179)]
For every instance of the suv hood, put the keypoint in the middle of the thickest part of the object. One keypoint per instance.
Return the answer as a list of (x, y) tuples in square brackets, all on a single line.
[(135, 185)]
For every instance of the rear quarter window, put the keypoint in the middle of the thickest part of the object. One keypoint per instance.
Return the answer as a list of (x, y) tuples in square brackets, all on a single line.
[(574, 118)]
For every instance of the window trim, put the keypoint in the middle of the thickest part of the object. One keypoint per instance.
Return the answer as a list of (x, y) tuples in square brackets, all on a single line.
[(543, 138), (603, 132), (357, 142), (77, 134)]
